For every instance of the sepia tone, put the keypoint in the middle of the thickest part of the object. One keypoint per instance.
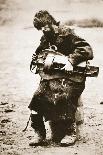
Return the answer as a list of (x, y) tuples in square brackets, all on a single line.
[(18, 41)]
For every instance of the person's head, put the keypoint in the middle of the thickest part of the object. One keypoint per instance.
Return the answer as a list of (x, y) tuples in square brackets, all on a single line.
[(43, 19)]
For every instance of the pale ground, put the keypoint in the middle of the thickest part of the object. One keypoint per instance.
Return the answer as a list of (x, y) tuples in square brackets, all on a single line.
[(17, 84)]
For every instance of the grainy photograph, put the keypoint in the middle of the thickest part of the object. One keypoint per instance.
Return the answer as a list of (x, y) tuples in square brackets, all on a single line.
[(51, 71)]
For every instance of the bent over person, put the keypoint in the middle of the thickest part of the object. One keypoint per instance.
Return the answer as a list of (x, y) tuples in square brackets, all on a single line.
[(59, 54)]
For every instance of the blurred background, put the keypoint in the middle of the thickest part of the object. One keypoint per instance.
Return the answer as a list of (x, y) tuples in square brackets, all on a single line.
[(21, 11), (18, 41)]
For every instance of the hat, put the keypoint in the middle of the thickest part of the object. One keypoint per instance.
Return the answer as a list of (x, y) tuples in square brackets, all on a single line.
[(43, 18)]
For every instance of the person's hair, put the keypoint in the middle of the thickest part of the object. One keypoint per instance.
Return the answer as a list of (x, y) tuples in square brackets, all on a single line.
[(43, 18)]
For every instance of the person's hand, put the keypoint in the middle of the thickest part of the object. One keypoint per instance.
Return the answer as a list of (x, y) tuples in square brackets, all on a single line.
[(63, 60), (68, 66), (34, 56), (33, 61)]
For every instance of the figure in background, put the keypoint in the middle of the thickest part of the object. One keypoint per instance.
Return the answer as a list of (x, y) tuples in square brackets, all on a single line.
[(56, 99)]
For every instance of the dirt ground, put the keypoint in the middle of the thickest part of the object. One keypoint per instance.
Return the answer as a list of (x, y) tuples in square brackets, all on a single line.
[(18, 40)]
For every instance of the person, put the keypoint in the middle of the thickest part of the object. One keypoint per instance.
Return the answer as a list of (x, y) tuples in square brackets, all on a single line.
[(56, 99)]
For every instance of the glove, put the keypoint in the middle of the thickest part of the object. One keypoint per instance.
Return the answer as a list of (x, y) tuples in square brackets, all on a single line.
[(68, 66), (34, 58)]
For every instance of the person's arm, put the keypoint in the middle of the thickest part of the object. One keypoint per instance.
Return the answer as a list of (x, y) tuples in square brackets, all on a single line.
[(44, 44), (82, 51)]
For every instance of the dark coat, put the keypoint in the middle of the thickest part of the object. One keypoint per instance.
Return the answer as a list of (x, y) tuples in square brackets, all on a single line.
[(69, 44), (58, 98), (75, 48)]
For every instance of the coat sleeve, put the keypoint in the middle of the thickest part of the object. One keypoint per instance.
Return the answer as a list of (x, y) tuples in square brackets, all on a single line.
[(43, 45), (82, 51)]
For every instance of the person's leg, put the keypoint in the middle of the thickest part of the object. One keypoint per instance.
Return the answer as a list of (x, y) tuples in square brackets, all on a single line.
[(58, 130), (42, 106), (63, 132), (74, 92), (38, 125), (70, 134), (79, 116)]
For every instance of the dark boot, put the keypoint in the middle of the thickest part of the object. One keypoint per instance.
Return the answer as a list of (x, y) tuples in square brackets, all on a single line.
[(70, 137), (58, 129), (38, 125)]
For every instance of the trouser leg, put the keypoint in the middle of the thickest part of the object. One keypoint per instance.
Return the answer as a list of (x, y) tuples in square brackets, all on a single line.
[(59, 129), (38, 125), (79, 115), (70, 135)]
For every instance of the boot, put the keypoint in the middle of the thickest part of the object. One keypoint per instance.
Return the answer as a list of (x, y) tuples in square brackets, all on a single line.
[(58, 130), (70, 137), (68, 140), (38, 125)]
